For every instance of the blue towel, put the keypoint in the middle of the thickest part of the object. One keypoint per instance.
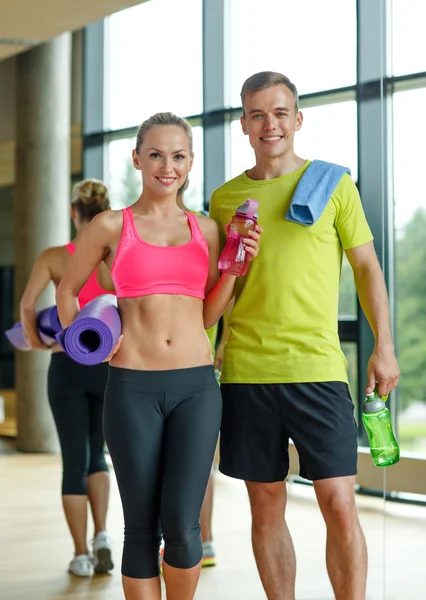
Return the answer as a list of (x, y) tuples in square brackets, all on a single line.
[(313, 191)]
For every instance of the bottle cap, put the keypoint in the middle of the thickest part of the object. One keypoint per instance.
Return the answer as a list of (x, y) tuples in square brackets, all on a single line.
[(371, 406), (248, 209)]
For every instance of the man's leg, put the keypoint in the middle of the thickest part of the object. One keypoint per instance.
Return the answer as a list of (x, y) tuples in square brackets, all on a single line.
[(272, 544), (346, 551)]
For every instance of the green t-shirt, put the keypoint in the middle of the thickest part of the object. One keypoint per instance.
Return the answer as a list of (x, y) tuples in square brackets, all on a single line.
[(283, 327)]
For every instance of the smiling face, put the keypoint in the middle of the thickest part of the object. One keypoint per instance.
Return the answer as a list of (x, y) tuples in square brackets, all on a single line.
[(165, 158), (271, 120)]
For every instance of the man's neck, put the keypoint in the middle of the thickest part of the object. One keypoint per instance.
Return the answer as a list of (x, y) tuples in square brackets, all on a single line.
[(276, 167)]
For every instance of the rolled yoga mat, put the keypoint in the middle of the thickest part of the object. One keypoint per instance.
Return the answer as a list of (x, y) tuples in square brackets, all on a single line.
[(48, 326), (94, 332)]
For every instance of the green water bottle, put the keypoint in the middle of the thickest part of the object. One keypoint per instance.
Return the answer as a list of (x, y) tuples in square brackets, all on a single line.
[(377, 422)]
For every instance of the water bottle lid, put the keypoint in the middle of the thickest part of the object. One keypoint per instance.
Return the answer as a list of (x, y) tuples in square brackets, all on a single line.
[(248, 209), (371, 406)]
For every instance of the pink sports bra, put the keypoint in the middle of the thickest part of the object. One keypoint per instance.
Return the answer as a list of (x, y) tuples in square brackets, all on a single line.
[(143, 269), (91, 289)]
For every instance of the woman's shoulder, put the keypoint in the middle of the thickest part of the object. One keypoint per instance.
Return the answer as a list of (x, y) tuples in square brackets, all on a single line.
[(208, 227), (53, 254), (206, 222), (108, 221)]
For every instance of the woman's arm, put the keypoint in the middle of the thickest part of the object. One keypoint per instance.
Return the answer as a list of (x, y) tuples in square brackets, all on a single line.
[(220, 290), (39, 280), (92, 248)]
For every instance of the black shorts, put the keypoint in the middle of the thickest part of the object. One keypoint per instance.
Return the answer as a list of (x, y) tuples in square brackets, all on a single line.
[(258, 420)]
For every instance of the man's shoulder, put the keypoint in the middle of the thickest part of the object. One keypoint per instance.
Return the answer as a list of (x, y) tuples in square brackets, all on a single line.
[(346, 190)]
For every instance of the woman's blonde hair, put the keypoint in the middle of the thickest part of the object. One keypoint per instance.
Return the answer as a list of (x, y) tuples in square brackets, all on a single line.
[(89, 198), (165, 118)]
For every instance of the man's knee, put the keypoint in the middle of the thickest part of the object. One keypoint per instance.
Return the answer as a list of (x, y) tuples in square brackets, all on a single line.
[(336, 498), (268, 502)]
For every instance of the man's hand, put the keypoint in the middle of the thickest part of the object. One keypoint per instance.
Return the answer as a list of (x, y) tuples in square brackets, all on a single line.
[(382, 371), (219, 358)]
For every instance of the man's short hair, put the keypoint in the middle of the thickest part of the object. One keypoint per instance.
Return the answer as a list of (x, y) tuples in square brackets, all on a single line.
[(267, 79)]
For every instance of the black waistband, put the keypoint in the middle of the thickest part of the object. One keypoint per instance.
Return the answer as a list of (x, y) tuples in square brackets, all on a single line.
[(158, 381)]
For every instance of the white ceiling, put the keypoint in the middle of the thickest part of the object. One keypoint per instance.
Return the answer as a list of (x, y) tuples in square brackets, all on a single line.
[(25, 23)]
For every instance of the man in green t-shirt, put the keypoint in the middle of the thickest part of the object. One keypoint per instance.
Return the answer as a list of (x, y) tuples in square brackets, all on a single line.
[(284, 374)]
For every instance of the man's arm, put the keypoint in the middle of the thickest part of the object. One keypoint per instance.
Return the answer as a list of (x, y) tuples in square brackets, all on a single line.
[(373, 298)]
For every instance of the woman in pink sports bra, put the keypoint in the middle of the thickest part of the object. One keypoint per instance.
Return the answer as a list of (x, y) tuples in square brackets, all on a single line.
[(76, 393), (162, 404)]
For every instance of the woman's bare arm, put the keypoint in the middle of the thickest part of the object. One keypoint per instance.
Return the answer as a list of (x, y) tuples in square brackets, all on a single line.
[(92, 248), (40, 278), (220, 290)]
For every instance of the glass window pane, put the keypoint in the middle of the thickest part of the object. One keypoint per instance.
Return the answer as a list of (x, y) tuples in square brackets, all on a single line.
[(241, 153), (410, 254), (154, 61), (329, 132), (295, 38), (408, 36), (348, 307), (125, 182)]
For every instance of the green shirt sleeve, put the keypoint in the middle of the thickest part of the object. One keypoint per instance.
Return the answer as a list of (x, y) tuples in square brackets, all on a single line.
[(350, 221)]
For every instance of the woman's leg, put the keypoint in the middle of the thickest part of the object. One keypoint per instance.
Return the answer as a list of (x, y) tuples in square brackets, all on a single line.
[(98, 485), (70, 410), (98, 481), (133, 426), (192, 428)]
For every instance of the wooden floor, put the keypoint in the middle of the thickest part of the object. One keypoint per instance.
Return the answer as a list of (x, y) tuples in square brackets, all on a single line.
[(35, 547)]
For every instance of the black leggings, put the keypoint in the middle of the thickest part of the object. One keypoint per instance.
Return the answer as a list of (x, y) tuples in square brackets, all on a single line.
[(76, 397), (161, 428)]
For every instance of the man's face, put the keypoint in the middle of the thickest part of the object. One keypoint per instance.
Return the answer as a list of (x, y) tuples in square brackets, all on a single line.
[(270, 120)]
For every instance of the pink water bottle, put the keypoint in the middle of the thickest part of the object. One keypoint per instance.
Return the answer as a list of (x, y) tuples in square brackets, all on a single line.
[(234, 258)]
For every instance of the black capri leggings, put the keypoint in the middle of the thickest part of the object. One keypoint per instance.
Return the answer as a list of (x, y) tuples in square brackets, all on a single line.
[(161, 428), (76, 397)]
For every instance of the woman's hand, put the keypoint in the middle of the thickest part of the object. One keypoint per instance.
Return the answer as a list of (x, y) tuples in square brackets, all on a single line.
[(33, 340), (114, 350), (251, 243)]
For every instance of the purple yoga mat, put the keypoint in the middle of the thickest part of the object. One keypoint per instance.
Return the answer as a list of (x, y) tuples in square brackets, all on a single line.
[(94, 332), (48, 326)]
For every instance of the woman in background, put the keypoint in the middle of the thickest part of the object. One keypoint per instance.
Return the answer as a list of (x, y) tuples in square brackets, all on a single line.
[(76, 393)]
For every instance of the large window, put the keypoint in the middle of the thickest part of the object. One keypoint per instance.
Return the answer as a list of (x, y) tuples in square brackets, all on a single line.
[(329, 132), (317, 53), (410, 251), (154, 61), (408, 36)]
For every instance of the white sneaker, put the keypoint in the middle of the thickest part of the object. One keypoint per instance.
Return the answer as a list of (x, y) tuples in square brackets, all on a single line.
[(81, 566), (102, 560)]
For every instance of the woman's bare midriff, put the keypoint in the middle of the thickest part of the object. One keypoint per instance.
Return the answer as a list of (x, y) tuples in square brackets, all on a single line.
[(162, 332)]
